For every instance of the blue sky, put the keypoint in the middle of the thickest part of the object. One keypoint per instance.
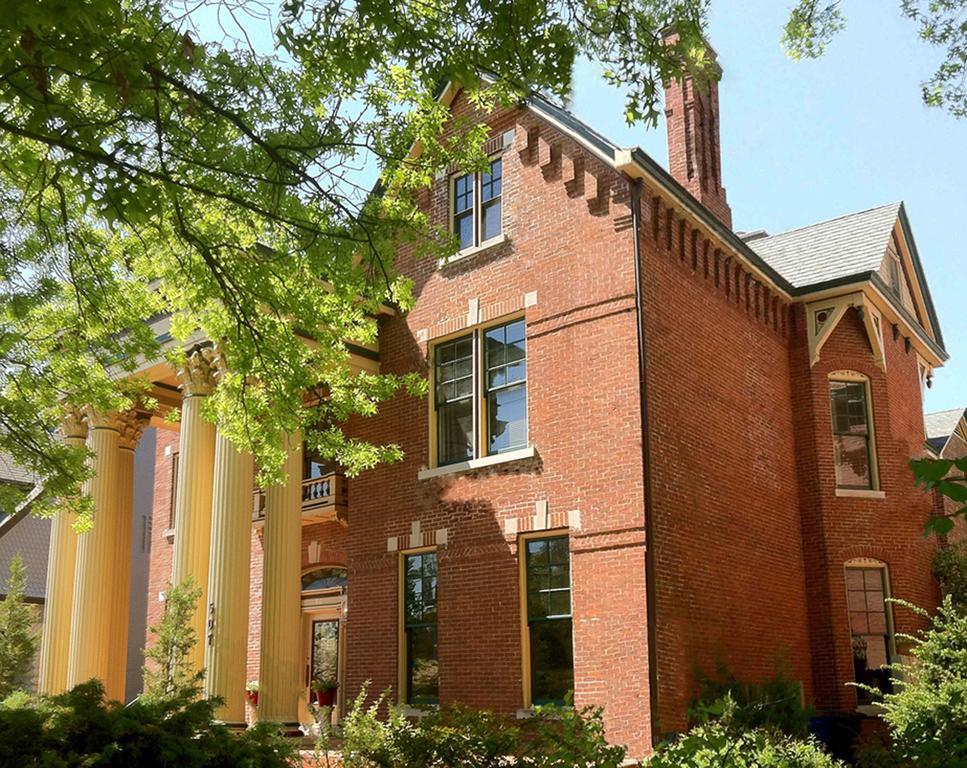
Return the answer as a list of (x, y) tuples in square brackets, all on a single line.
[(807, 141)]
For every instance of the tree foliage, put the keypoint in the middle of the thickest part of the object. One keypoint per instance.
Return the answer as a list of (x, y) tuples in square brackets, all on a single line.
[(948, 477), (212, 161), (18, 636), (167, 673), (950, 568), (942, 23)]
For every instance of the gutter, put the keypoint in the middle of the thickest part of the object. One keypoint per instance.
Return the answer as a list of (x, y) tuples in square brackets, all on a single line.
[(651, 608)]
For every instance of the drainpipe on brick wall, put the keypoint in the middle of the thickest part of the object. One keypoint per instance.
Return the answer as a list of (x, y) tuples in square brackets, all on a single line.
[(650, 606)]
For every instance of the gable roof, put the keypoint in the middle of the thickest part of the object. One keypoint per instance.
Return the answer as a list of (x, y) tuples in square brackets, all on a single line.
[(852, 240), (830, 250), (940, 425)]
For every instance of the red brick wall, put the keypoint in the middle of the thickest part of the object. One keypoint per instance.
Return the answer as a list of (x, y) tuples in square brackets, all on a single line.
[(750, 537), (576, 254), (159, 572), (729, 581), (839, 529)]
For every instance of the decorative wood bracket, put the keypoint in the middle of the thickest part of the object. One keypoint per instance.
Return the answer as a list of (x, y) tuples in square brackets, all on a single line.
[(823, 317)]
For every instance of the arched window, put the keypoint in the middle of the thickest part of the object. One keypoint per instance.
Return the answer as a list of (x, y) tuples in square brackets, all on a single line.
[(332, 577)]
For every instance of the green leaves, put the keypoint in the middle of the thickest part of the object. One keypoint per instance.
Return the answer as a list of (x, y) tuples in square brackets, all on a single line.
[(223, 188), (947, 478)]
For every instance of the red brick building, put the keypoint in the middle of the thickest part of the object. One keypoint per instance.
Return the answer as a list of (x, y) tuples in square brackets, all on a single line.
[(651, 444)]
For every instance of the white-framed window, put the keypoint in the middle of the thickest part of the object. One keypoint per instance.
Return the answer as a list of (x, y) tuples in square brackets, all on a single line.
[(476, 209), (480, 393)]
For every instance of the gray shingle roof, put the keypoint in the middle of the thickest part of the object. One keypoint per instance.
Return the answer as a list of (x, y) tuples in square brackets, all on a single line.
[(943, 423), (848, 245), (11, 472), (29, 537)]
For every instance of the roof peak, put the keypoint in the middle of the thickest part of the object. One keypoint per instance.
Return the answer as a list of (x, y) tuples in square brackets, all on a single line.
[(896, 204)]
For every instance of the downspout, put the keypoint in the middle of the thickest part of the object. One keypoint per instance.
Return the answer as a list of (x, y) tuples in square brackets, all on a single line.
[(651, 609)]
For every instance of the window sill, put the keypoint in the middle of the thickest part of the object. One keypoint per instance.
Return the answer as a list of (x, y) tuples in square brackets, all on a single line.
[(481, 463), (417, 712), (476, 250), (529, 713), (849, 493)]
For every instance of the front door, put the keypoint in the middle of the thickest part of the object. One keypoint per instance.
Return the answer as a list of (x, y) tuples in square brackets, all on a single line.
[(323, 628)]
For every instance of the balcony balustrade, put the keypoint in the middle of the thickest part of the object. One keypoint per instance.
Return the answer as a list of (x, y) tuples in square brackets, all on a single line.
[(324, 498)]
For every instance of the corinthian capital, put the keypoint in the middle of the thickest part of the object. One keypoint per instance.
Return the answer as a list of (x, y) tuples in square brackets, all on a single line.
[(73, 424), (133, 424), (198, 375), (98, 419)]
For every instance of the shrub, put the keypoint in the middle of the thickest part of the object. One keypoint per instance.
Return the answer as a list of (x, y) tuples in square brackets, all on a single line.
[(950, 568), (458, 737), (724, 743), (79, 729), (773, 704), (927, 712)]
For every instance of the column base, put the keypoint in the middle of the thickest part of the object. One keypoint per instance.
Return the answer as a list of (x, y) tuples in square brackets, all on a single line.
[(234, 726)]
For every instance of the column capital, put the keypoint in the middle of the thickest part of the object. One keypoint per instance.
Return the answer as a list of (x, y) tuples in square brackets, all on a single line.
[(133, 423), (198, 373), (73, 424), (98, 419)]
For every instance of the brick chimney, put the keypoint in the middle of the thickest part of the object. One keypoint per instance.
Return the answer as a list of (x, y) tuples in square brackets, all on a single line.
[(694, 154)]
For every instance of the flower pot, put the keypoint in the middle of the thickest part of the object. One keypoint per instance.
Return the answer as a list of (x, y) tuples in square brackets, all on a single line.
[(253, 697), (325, 697)]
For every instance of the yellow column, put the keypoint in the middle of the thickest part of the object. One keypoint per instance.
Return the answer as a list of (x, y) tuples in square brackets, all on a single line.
[(132, 424), (94, 573), (280, 676), (226, 645), (55, 641), (193, 496)]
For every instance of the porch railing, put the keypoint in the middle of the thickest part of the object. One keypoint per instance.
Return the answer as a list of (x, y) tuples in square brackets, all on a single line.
[(323, 498)]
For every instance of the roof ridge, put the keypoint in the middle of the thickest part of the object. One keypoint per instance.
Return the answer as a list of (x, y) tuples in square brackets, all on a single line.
[(834, 218)]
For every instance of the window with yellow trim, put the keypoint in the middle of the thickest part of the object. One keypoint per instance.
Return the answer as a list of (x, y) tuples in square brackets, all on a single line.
[(547, 573), (481, 391), (421, 668)]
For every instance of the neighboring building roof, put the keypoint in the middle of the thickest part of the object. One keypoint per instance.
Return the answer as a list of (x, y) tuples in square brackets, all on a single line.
[(28, 536), (10, 472), (941, 425), (830, 250), (23, 534)]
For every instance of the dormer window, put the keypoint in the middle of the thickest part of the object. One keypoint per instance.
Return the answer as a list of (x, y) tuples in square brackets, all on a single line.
[(475, 209)]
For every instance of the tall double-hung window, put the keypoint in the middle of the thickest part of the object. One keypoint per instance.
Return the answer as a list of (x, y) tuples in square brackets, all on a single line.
[(548, 643), (853, 449), (421, 674), (480, 393), (476, 209)]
